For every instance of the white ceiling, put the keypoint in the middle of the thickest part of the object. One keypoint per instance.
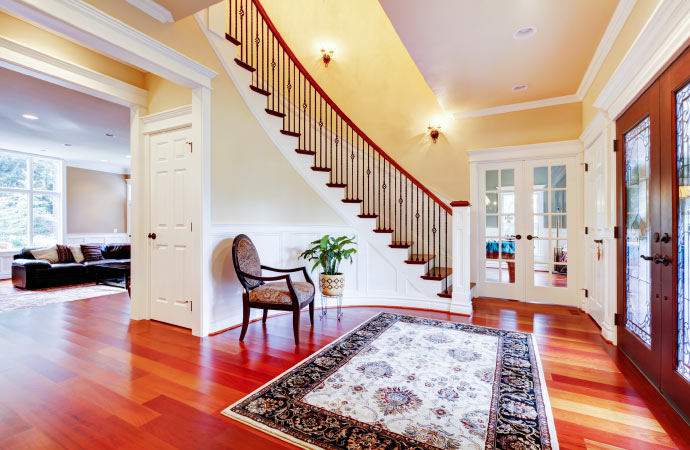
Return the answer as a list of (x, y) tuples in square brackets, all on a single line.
[(466, 51), (65, 117)]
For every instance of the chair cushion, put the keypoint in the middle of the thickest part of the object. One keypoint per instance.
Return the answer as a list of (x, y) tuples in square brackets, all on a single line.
[(277, 293), (248, 260)]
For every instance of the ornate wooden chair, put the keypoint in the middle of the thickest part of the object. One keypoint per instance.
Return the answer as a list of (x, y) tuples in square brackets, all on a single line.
[(274, 293)]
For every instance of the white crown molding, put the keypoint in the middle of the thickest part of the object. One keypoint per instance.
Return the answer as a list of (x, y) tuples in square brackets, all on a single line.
[(529, 151), (595, 128), (90, 26), (20, 58), (663, 37), (553, 101), (153, 9), (618, 19), (620, 16), (167, 120)]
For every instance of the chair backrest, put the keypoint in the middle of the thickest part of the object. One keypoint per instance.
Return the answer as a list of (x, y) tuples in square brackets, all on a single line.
[(245, 258)]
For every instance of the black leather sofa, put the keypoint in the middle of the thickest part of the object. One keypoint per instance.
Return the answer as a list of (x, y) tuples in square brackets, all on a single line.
[(31, 273)]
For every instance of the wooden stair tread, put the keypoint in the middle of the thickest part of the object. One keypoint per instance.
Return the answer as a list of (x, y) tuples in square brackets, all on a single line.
[(367, 216), (419, 258), (290, 133), (305, 152), (352, 200), (275, 113), (320, 169), (336, 185), (400, 244), (383, 230), (232, 39), (438, 273), (448, 294), (244, 65), (258, 90)]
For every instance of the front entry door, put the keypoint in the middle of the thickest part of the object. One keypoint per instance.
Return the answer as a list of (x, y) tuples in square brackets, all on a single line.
[(526, 223), (171, 227)]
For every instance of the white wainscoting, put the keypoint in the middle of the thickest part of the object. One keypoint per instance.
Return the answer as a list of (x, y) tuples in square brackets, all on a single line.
[(370, 280), (6, 258), (96, 238)]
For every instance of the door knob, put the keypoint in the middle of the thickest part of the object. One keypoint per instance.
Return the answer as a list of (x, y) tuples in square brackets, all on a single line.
[(152, 236), (666, 238), (530, 237), (649, 258), (516, 236), (658, 259)]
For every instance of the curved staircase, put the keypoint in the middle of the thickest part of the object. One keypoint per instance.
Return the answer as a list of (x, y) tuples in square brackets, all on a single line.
[(416, 224)]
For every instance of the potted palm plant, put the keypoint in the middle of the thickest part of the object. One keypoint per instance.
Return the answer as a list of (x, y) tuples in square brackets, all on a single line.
[(328, 252)]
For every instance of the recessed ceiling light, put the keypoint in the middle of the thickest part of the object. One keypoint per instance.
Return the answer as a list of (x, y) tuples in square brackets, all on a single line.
[(109, 134), (128, 156), (104, 160), (29, 116), (525, 33), (68, 145), (520, 88)]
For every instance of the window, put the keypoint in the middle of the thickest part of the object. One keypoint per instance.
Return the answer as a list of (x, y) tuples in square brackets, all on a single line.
[(30, 201)]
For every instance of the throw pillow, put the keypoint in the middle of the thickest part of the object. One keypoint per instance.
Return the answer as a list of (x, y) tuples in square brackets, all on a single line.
[(91, 252), (47, 254), (76, 253), (64, 254)]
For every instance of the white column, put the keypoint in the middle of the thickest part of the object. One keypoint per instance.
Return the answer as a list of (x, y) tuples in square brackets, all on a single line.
[(461, 303)]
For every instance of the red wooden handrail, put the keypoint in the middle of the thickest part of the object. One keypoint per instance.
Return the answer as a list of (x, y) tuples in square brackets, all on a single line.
[(335, 107)]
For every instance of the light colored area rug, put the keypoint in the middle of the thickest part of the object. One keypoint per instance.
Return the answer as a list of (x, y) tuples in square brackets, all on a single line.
[(26, 299), (402, 382)]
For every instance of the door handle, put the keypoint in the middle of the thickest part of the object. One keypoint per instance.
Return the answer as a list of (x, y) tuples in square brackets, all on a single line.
[(658, 259), (666, 238), (152, 236), (516, 236), (649, 258), (530, 237)]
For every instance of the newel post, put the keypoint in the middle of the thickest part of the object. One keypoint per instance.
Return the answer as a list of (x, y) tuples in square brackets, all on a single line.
[(461, 302)]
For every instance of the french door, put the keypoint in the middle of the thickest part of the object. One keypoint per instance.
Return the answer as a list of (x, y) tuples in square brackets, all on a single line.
[(653, 166), (526, 226)]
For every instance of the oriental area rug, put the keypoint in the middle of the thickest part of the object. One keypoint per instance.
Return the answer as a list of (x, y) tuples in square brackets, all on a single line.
[(402, 382)]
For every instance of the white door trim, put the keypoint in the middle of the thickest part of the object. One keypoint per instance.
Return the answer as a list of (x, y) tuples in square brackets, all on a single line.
[(91, 27), (527, 152), (94, 28)]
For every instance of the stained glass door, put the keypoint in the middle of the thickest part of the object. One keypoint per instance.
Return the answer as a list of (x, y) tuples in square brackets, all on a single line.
[(639, 273), (675, 239)]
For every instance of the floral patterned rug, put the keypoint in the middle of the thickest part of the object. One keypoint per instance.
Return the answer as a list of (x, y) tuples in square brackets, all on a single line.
[(18, 299), (402, 382)]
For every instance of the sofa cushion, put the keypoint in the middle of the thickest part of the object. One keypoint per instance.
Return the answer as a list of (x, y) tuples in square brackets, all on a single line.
[(91, 252), (77, 255), (49, 254), (62, 269), (64, 254), (25, 253), (278, 293), (116, 251), (100, 262)]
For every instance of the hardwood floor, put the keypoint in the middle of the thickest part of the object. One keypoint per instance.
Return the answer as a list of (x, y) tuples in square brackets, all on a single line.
[(81, 375)]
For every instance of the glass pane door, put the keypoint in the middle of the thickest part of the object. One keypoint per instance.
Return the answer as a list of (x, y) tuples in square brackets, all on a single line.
[(499, 256), (549, 227)]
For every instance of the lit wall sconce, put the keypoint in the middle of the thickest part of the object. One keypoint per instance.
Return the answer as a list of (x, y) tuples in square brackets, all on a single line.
[(326, 56), (434, 132)]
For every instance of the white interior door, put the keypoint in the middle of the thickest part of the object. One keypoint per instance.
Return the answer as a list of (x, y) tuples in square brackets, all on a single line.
[(527, 230), (550, 230), (171, 227), (501, 271)]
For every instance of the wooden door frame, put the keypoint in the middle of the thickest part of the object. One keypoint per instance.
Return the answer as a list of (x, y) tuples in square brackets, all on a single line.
[(91, 27)]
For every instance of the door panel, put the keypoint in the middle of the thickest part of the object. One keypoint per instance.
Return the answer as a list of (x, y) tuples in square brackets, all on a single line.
[(170, 221), (675, 221), (639, 334)]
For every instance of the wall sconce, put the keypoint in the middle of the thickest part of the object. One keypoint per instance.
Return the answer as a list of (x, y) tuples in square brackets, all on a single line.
[(434, 132), (326, 56)]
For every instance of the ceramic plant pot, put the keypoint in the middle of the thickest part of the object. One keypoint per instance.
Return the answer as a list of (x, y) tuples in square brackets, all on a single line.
[(332, 284)]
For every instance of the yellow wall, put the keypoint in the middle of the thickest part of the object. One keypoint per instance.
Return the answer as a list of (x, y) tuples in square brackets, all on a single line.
[(41, 40), (638, 18), (251, 182), (96, 201)]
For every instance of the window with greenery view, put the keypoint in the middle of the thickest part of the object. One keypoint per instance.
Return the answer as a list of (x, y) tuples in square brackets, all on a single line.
[(30, 201)]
